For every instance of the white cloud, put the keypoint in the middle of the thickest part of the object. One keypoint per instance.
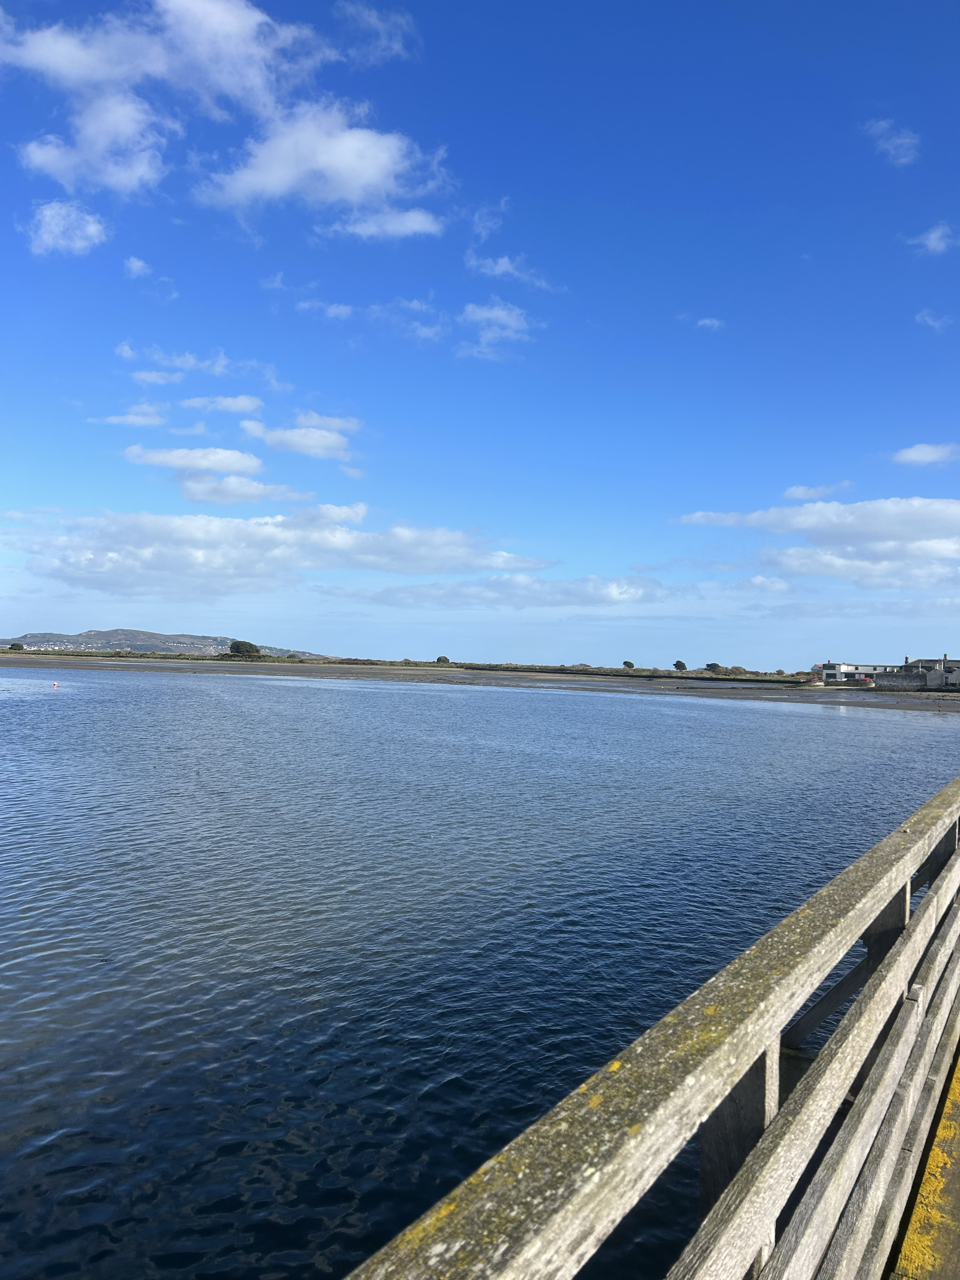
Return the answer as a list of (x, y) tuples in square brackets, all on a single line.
[(156, 377), (199, 556), (412, 316), (512, 591), (63, 226), (133, 82), (139, 415), (319, 153), (764, 585), (196, 459), (391, 224), (133, 268), (816, 491), (488, 220), (273, 282), (224, 404), (228, 489), (385, 34), (924, 455), (217, 364), (511, 268), (885, 542), (711, 322), (125, 351), (498, 323), (332, 310), (938, 239), (314, 435), (937, 323), (898, 145)]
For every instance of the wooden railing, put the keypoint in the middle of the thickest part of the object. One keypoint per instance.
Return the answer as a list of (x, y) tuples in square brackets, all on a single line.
[(807, 1159)]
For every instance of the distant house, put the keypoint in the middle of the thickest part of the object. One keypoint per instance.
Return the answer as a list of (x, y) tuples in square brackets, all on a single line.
[(839, 672), (916, 665), (912, 673)]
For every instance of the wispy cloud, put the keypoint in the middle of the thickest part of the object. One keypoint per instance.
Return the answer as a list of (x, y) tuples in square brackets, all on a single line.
[(134, 268), (505, 267), (224, 404), (498, 324), (885, 542), (487, 220), (217, 364), (711, 322), (383, 35), (134, 83), (925, 455), (314, 435), (63, 226), (144, 414), (222, 460), (898, 145), (512, 591), (125, 351), (332, 310), (938, 239), (391, 224), (156, 377), (230, 489), (202, 556), (935, 322), (816, 491), (414, 317)]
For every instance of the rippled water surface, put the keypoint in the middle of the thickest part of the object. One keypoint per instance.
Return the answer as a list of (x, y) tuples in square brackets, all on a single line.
[(284, 959)]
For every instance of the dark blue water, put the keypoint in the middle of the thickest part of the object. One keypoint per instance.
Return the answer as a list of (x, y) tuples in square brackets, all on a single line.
[(284, 959)]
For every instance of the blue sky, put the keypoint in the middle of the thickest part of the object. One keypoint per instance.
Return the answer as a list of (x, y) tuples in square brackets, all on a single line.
[(511, 332)]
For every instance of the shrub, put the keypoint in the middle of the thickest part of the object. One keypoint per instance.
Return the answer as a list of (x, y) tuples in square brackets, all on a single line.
[(292, 655), (679, 666), (443, 659), (244, 647), (628, 665), (17, 647), (714, 667), (780, 671)]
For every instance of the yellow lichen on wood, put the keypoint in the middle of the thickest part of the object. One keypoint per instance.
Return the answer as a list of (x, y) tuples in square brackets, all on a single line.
[(934, 1229)]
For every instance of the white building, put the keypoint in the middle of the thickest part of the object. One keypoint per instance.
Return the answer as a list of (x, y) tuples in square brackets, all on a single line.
[(837, 672)]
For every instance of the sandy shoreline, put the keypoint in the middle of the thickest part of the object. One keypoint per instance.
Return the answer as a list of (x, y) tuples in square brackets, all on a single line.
[(666, 686)]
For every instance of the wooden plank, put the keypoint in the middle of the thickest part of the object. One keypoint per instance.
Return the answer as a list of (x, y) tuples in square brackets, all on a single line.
[(541, 1207), (844, 1257), (888, 1220), (733, 1232), (828, 1003), (800, 1249), (930, 1249), (806, 1237)]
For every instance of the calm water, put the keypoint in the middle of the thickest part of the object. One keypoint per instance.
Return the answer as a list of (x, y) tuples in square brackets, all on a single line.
[(285, 959)]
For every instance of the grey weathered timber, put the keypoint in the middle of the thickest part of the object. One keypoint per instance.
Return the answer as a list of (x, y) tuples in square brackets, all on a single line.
[(890, 1209), (729, 1239), (541, 1207), (829, 1002), (803, 1243), (877, 1194)]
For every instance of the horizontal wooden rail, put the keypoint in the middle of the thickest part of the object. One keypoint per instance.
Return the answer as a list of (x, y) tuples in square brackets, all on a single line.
[(542, 1206)]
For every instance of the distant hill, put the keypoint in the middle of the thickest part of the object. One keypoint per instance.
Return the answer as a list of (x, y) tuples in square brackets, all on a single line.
[(139, 642)]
